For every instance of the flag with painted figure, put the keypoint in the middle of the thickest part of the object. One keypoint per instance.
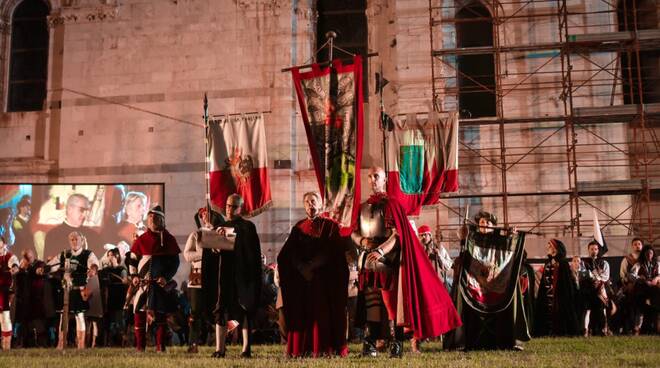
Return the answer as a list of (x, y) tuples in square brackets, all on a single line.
[(422, 159), (238, 162), (331, 106)]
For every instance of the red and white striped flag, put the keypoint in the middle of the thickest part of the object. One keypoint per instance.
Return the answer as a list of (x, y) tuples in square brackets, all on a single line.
[(423, 160), (238, 162)]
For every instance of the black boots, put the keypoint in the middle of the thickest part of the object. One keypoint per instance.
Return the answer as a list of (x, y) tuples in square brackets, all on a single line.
[(372, 334), (396, 340)]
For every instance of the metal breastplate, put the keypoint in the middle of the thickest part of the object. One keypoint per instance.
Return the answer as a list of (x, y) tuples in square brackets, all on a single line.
[(372, 221)]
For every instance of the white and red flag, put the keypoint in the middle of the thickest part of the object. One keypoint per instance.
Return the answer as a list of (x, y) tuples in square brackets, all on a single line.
[(238, 162), (422, 160)]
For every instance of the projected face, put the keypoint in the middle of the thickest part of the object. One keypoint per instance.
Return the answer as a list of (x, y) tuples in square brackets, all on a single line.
[(77, 209), (135, 210)]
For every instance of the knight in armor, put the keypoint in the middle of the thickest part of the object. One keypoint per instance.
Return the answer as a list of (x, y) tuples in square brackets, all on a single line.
[(155, 260), (75, 265), (239, 287), (395, 272), (594, 280), (8, 267), (313, 278)]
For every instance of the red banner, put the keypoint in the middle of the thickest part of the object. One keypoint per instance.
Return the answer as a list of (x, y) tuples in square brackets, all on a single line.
[(331, 106)]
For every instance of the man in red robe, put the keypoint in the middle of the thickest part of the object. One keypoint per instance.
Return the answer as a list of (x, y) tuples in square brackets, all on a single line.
[(395, 271), (313, 280)]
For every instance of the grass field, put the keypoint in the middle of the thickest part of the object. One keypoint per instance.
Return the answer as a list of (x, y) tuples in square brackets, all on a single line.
[(576, 352)]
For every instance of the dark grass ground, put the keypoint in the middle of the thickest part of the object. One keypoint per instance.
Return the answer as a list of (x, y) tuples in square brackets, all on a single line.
[(548, 352)]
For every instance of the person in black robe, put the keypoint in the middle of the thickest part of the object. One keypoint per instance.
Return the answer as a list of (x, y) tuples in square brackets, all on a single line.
[(203, 278), (555, 314), (240, 278)]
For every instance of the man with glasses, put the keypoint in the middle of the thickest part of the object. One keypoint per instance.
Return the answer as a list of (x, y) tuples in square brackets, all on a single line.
[(77, 210), (239, 286)]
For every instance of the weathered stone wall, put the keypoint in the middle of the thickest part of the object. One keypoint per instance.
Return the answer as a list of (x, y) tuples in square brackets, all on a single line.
[(126, 82)]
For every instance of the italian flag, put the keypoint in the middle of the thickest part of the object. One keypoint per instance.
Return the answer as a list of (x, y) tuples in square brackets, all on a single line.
[(422, 160)]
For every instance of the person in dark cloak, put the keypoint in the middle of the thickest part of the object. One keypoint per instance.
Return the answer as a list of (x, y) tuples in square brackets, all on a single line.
[(203, 279), (555, 314), (314, 278), (240, 277)]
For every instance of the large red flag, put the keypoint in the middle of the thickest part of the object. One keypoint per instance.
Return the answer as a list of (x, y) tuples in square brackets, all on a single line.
[(238, 162), (423, 160), (331, 106)]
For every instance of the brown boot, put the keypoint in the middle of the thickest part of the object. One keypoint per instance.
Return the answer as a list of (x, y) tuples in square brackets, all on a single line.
[(80, 339)]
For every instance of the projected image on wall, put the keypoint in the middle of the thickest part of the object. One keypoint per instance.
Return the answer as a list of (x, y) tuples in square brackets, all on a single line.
[(39, 217)]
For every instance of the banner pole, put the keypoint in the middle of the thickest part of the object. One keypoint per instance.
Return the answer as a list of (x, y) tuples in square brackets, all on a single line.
[(207, 158), (383, 122)]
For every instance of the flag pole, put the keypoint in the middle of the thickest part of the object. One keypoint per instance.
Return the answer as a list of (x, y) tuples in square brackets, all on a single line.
[(207, 158), (383, 122)]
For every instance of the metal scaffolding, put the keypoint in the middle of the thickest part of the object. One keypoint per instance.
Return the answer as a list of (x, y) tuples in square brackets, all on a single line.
[(573, 129)]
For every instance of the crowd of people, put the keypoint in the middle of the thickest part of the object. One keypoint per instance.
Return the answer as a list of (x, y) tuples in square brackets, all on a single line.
[(384, 284)]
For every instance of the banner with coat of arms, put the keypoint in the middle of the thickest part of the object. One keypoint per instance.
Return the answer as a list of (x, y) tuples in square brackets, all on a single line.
[(422, 159), (238, 162), (330, 102)]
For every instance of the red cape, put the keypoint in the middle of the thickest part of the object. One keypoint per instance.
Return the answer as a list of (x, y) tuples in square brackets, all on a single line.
[(427, 307), (149, 244)]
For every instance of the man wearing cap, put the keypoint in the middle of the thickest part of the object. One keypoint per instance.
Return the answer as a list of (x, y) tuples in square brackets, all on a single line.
[(155, 260), (438, 255), (395, 272)]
